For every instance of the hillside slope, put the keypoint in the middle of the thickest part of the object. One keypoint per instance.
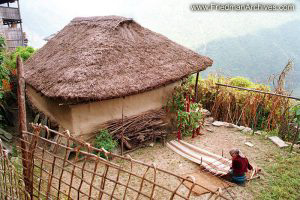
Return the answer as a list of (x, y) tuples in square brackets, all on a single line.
[(258, 55)]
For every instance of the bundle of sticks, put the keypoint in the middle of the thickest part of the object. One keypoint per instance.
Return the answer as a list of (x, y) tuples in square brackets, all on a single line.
[(140, 127)]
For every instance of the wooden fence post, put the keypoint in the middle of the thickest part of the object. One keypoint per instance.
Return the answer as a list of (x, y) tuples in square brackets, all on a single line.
[(122, 134), (23, 127), (196, 88)]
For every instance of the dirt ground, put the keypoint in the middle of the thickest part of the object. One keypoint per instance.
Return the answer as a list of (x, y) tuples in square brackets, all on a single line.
[(222, 139)]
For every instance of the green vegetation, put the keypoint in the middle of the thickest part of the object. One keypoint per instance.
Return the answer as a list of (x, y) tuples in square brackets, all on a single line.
[(264, 112), (24, 52), (274, 132), (188, 112), (105, 140), (14, 151), (241, 82), (255, 110), (283, 179), (4, 71), (8, 73), (4, 81), (280, 173), (2, 43), (189, 121), (296, 112)]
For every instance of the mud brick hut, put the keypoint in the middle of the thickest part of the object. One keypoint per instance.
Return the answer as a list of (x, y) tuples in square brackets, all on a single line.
[(95, 67)]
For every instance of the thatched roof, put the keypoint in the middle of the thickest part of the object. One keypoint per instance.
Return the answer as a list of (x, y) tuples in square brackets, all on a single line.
[(97, 58)]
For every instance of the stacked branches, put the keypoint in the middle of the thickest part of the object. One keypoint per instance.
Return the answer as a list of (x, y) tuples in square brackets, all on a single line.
[(141, 127)]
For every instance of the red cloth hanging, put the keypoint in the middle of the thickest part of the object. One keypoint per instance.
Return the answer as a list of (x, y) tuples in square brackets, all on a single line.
[(179, 132), (198, 131), (188, 103), (193, 133), (179, 128)]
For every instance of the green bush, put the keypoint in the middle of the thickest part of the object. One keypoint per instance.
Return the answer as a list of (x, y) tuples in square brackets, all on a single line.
[(105, 140), (24, 52), (240, 82)]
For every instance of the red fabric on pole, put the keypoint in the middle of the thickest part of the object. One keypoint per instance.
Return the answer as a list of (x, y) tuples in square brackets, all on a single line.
[(198, 131), (179, 133), (193, 133), (187, 103)]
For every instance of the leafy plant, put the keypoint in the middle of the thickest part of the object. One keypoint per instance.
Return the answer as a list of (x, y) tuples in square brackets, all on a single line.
[(296, 111), (105, 140), (187, 111)]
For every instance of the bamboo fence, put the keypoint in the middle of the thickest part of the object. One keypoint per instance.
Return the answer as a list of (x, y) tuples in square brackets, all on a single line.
[(12, 185), (60, 166)]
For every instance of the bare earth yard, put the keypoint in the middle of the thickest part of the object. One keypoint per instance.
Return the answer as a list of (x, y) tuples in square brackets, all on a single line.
[(221, 139), (279, 177)]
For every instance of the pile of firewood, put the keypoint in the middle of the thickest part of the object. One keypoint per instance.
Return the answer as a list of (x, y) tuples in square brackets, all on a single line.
[(140, 127)]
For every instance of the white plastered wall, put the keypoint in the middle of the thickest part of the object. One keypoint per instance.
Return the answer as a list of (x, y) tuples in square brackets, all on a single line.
[(85, 118), (89, 117), (51, 108)]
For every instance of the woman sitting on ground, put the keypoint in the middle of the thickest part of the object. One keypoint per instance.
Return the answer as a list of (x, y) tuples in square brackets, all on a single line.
[(240, 166)]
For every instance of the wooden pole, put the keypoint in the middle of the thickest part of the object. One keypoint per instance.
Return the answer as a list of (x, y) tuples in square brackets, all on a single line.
[(122, 134), (21, 97), (21, 23), (196, 88), (259, 91), (23, 127)]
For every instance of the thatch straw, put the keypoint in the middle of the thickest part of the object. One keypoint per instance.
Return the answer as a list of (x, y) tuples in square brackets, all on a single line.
[(97, 58)]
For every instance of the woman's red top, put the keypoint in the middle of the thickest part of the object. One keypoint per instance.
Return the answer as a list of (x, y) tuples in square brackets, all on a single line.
[(240, 166)]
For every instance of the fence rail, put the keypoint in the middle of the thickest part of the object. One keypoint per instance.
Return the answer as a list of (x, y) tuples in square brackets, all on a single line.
[(63, 167), (258, 91), (12, 185)]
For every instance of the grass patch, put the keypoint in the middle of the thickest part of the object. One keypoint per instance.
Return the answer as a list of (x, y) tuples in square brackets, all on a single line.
[(283, 180)]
